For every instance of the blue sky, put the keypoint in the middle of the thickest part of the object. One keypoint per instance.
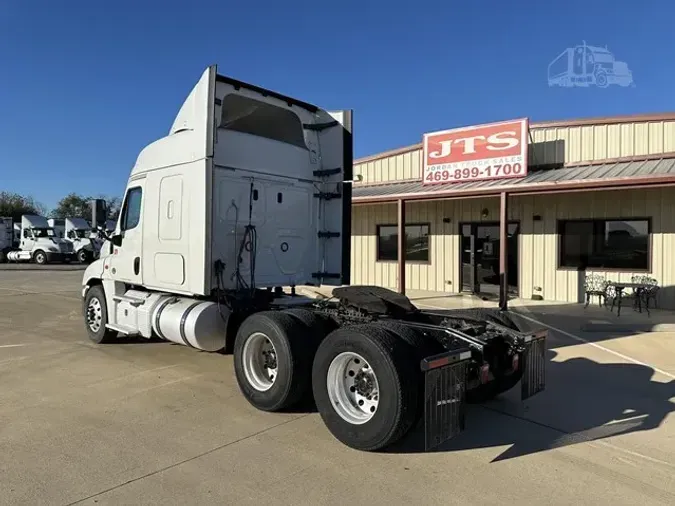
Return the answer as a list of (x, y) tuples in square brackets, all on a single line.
[(84, 85)]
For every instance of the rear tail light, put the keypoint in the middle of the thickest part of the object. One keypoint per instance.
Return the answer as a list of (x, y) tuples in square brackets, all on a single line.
[(484, 373), (515, 362)]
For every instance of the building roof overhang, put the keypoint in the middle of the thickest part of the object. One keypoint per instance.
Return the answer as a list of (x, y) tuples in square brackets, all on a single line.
[(626, 173)]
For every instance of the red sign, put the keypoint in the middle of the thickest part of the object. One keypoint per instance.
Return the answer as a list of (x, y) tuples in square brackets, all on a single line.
[(491, 151)]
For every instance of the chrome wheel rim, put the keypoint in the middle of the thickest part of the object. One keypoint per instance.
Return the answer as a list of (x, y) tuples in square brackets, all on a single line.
[(94, 314), (353, 388), (259, 359)]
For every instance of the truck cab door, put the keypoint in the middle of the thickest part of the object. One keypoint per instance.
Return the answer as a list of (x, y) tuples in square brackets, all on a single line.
[(27, 240), (127, 241), (335, 150)]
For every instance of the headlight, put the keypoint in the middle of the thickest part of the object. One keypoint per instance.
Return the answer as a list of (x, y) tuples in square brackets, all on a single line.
[(52, 248)]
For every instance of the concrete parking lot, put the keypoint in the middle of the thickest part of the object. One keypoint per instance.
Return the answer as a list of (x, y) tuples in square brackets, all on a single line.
[(153, 423)]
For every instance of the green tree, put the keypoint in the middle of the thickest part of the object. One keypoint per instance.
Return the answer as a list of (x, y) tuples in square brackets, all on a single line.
[(73, 206), (14, 205), (79, 206)]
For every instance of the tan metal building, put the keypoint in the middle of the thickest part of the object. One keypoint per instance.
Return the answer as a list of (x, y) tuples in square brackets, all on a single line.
[(599, 198)]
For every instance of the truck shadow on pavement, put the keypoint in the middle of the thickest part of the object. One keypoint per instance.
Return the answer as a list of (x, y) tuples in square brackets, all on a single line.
[(584, 401)]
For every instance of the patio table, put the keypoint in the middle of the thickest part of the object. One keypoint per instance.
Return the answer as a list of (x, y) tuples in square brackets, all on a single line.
[(620, 287)]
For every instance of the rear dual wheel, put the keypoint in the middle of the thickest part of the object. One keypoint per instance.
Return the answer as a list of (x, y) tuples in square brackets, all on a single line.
[(273, 352), (365, 381)]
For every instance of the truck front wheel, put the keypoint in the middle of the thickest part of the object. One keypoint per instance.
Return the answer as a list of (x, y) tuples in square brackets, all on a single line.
[(96, 316), (40, 257), (365, 388), (272, 360), (83, 256)]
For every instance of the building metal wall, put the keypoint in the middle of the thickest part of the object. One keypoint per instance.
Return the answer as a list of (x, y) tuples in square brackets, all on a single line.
[(538, 246), (554, 144)]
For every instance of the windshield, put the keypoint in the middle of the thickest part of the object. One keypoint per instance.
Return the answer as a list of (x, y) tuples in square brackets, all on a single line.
[(43, 232)]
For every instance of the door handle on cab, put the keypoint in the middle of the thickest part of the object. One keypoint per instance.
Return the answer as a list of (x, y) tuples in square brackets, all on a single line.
[(137, 265)]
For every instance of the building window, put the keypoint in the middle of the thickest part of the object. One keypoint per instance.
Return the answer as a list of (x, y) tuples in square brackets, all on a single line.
[(416, 239), (605, 244)]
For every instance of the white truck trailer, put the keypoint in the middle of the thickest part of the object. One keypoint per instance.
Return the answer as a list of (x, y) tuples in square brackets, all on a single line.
[(248, 192), (40, 243), (6, 237)]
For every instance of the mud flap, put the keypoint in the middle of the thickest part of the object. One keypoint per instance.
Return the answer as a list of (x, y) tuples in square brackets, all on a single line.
[(533, 380), (444, 396)]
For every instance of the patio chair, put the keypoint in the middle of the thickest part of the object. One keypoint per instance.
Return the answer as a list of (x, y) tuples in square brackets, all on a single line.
[(595, 285), (650, 292)]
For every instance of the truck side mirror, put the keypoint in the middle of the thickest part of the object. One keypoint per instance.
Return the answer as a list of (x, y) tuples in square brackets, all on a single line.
[(99, 212), (116, 240)]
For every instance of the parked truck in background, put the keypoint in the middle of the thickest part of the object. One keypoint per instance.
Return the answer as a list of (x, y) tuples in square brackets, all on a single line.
[(40, 243), (250, 192), (83, 238), (59, 226), (6, 237)]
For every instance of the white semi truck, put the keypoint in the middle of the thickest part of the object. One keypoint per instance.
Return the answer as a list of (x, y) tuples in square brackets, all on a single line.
[(40, 243), (249, 192), (84, 240), (59, 226)]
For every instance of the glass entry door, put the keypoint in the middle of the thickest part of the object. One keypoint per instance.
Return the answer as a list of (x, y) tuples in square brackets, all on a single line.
[(480, 257)]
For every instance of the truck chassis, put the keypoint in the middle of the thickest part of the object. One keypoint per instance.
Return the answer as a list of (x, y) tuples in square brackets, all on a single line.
[(374, 363)]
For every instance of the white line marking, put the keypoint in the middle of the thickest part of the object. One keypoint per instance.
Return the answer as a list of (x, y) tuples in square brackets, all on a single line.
[(624, 420), (576, 338), (630, 452), (599, 347), (13, 345)]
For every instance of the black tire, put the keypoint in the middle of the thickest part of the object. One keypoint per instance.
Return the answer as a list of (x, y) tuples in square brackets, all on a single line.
[(489, 391), (392, 360), (294, 360), (40, 257), (83, 256), (486, 315), (102, 334), (422, 347), (319, 325)]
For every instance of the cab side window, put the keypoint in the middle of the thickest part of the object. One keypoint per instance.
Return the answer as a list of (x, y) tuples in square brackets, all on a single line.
[(131, 214)]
